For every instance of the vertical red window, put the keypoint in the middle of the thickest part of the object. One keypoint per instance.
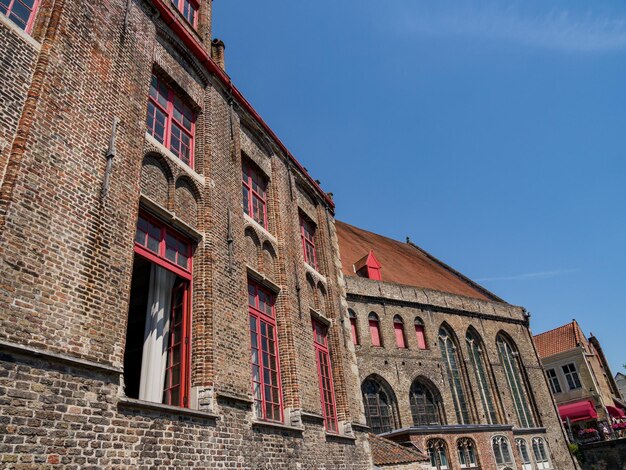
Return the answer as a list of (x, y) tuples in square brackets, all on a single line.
[(374, 324), (254, 194), (327, 391), (170, 121), (398, 329), (266, 387), (20, 12), (188, 8), (307, 231), (419, 333), (353, 330), (164, 247)]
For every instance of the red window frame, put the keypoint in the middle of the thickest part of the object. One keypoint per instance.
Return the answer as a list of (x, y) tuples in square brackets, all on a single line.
[(325, 375), (254, 193), (164, 247), (420, 335), (179, 121), (189, 10), (353, 328), (264, 361), (307, 233), (398, 329), (23, 23), (374, 323)]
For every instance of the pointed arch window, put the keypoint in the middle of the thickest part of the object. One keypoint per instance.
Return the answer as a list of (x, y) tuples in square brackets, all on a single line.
[(353, 329), (517, 385), (381, 409), (438, 454), (466, 450), (502, 452), (398, 329), (522, 449), (374, 323), (426, 406), (540, 452), (419, 333), (481, 372), (451, 360)]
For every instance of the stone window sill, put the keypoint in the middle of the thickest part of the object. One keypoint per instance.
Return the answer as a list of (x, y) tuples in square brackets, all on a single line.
[(273, 424), (174, 159), (20, 32), (259, 227), (134, 403)]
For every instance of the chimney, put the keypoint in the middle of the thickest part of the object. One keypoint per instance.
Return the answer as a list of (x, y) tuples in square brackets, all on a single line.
[(217, 52)]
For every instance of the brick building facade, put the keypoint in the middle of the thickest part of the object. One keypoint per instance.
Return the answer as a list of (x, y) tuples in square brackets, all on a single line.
[(444, 364), (168, 270)]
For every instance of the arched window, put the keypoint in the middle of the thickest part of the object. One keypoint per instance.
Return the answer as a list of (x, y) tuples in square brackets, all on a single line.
[(451, 360), (419, 333), (540, 452), (522, 448), (438, 454), (398, 329), (481, 372), (426, 406), (374, 323), (380, 405), (513, 370), (467, 453), (353, 330), (502, 452)]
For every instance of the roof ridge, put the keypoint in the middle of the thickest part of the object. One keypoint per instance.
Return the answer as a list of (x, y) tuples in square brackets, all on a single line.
[(460, 275), (553, 329)]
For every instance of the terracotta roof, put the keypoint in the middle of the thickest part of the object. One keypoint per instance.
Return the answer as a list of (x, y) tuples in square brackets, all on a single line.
[(386, 452), (561, 339), (404, 263)]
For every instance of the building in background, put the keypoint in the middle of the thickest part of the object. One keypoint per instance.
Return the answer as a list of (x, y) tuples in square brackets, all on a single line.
[(580, 381), (620, 381), (445, 365)]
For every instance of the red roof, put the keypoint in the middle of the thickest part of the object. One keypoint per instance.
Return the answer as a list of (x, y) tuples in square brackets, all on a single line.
[(404, 263), (561, 339), (386, 452)]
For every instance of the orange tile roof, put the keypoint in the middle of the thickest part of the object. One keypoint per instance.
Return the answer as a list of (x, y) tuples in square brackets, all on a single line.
[(386, 452), (561, 339), (404, 263)]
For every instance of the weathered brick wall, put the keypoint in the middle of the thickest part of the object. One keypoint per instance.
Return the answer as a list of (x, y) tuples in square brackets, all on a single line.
[(66, 257), (400, 367), (73, 417)]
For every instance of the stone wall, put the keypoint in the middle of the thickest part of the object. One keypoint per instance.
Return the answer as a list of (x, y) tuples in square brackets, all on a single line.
[(606, 455)]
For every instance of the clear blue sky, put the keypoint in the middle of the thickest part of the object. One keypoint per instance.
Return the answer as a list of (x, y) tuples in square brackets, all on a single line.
[(492, 133)]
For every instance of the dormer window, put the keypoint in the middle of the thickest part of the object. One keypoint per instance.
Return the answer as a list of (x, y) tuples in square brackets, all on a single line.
[(368, 267)]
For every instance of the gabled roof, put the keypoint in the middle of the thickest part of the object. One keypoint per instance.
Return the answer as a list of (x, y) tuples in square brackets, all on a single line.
[(561, 339), (404, 263), (368, 260), (386, 452)]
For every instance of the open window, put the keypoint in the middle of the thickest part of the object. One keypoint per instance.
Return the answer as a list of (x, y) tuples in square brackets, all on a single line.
[(157, 354)]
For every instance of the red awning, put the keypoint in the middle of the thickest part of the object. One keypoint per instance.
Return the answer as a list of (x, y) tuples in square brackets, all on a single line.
[(615, 412), (578, 411)]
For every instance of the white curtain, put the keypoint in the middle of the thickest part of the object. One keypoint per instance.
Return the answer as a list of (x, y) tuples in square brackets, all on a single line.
[(156, 334)]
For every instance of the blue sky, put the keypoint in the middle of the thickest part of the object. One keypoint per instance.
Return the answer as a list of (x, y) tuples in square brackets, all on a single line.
[(492, 133)]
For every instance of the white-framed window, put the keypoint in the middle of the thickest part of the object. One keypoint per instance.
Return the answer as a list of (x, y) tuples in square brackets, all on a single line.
[(571, 375), (438, 454), (522, 448), (540, 452), (502, 452), (467, 454), (555, 385)]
